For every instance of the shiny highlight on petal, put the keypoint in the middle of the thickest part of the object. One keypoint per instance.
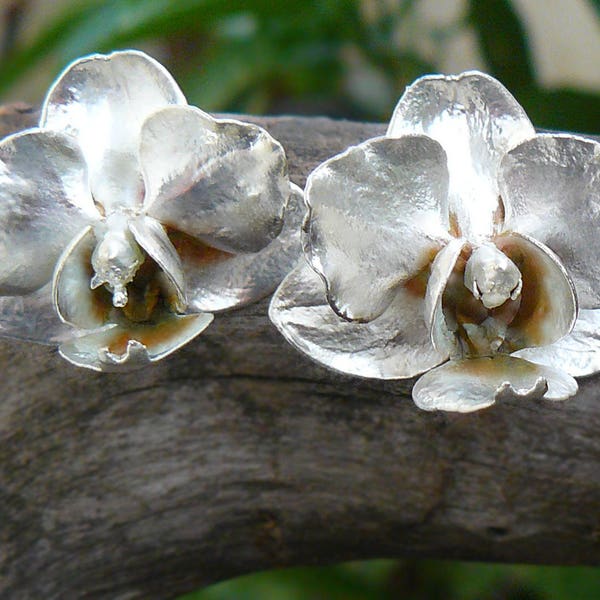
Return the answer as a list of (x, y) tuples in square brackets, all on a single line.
[(475, 383), (476, 120), (123, 348), (222, 181), (217, 280), (577, 353), (396, 345), (375, 220)]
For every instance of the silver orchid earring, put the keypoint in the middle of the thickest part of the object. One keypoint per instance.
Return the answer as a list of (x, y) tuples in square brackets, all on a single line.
[(128, 217), (454, 246)]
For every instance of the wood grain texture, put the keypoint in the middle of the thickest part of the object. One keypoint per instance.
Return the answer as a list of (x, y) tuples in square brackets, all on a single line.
[(238, 454)]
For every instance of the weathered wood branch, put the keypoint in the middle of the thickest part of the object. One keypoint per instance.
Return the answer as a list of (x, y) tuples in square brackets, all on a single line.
[(238, 454)]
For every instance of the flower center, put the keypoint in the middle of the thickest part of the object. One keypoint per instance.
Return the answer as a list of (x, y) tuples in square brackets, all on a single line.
[(481, 301), (492, 277), (116, 259)]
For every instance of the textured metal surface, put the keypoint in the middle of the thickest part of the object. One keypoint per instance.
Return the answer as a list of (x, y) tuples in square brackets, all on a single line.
[(102, 101), (492, 277), (441, 269), (135, 344), (74, 300), (476, 383), (395, 345), (375, 219), (222, 181), (219, 281), (551, 185), (476, 120), (379, 214), (119, 151), (548, 299), (152, 237), (43, 196), (239, 454), (577, 353)]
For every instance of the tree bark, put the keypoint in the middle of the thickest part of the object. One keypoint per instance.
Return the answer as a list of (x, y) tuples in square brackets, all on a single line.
[(237, 454)]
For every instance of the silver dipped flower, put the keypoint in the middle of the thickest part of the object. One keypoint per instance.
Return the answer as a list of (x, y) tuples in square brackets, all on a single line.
[(128, 217), (435, 249)]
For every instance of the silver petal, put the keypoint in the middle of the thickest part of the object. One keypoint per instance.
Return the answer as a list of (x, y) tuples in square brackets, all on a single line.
[(577, 353), (395, 345), (474, 383), (375, 220), (116, 348), (548, 302), (218, 281), (44, 202), (552, 191), (102, 100), (476, 120), (152, 237), (222, 181), (441, 268), (74, 300), (32, 318)]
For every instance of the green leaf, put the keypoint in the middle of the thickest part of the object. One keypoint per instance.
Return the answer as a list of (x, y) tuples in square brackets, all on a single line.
[(98, 26), (504, 42), (228, 73), (343, 582), (562, 110)]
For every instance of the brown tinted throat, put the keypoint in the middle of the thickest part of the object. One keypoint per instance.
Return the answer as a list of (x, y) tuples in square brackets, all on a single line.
[(479, 331), (153, 335), (192, 250), (527, 329), (417, 284)]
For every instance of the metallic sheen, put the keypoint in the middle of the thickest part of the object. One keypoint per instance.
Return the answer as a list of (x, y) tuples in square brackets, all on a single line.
[(475, 383), (376, 216), (423, 248), (116, 347), (578, 353), (99, 198), (551, 186), (218, 281), (44, 202), (395, 345), (102, 102), (222, 181), (476, 120)]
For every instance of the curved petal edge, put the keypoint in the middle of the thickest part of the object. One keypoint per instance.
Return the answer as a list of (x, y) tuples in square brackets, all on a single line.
[(218, 280), (119, 348), (474, 383), (396, 345), (577, 353), (376, 218)]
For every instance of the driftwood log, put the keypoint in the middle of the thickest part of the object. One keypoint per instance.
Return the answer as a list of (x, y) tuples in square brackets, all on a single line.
[(238, 454)]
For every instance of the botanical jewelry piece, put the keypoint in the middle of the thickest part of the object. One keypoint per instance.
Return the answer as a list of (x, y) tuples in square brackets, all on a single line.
[(455, 246), (128, 217)]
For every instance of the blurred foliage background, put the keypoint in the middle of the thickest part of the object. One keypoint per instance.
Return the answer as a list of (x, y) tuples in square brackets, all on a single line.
[(343, 58), (351, 59)]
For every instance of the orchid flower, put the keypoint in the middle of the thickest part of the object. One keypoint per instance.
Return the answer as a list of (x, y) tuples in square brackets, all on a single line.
[(455, 246), (128, 217)]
